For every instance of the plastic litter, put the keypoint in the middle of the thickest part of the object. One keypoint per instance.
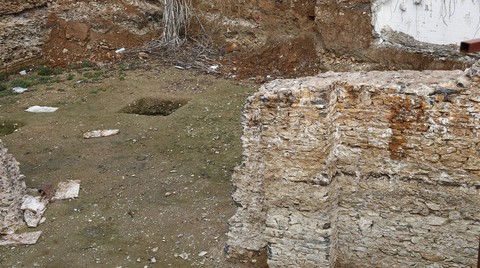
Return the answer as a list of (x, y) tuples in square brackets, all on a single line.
[(19, 89), (187, 67), (120, 50), (23, 72), (41, 109)]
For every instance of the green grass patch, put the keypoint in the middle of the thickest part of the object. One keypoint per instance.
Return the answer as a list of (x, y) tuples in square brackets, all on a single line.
[(70, 76), (44, 71), (45, 80), (86, 64), (21, 83), (3, 87)]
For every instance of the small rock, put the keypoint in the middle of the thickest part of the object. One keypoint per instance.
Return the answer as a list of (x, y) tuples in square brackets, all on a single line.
[(415, 240), (454, 215), (434, 257), (100, 133), (184, 256), (436, 221), (167, 194), (203, 253), (152, 260), (155, 249), (432, 206), (143, 55)]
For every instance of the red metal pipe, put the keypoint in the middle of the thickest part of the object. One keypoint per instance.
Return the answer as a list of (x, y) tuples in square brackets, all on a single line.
[(470, 46)]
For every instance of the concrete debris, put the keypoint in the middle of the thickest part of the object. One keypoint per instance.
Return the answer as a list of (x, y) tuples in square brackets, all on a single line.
[(33, 209), (20, 239), (100, 133), (67, 190)]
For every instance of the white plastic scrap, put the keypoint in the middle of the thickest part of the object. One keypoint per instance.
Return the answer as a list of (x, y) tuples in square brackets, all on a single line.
[(23, 72), (19, 89), (41, 109), (100, 133), (120, 50)]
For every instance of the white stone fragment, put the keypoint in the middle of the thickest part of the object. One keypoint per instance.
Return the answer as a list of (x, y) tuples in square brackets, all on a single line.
[(67, 190), (20, 239), (31, 218), (203, 253), (100, 133), (33, 209), (34, 203), (436, 221), (41, 109)]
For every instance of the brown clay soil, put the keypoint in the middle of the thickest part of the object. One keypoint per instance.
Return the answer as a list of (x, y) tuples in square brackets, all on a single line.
[(157, 194)]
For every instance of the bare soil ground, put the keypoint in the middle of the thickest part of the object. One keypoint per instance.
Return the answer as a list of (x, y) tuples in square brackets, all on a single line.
[(159, 189)]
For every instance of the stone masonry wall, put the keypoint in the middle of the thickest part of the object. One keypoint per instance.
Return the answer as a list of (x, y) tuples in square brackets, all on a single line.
[(360, 170), (12, 192)]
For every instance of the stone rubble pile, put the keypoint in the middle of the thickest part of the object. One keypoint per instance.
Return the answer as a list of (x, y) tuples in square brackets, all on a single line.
[(19, 209), (372, 169)]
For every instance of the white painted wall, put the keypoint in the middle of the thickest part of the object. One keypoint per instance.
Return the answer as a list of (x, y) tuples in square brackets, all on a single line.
[(433, 21)]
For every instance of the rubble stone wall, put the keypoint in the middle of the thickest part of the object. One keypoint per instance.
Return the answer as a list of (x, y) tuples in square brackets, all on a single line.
[(22, 31), (12, 192), (360, 170)]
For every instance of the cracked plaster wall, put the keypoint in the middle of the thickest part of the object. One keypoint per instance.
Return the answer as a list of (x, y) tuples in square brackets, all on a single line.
[(439, 22), (360, 170)]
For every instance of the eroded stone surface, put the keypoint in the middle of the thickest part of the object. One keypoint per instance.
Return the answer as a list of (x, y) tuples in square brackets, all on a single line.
[(379, 168), (12, 192), (17, 6), (65, 32)]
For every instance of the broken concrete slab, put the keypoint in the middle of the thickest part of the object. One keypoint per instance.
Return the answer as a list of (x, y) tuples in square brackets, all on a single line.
[(67, 190)]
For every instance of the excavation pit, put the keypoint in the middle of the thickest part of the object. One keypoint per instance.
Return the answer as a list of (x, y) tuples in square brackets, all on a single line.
[(154, 106)]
